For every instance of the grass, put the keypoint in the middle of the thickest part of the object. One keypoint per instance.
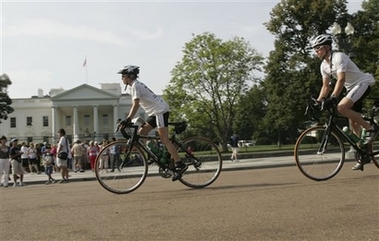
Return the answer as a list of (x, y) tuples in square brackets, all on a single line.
[(260, 148)]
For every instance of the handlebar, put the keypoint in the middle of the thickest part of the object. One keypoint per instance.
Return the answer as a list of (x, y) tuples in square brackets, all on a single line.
[(311, 104), (123, 130)]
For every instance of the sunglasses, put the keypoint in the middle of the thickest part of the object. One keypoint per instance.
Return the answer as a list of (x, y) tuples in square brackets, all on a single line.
[(318, 48)]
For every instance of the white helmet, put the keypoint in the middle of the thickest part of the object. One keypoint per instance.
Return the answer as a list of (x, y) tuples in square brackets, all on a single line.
[(129, 69), (323, 39)]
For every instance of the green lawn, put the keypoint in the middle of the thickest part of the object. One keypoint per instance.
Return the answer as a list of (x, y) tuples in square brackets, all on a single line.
[(261, 148)]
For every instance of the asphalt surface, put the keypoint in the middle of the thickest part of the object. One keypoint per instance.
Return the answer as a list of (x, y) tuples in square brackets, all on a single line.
[(250, 204)]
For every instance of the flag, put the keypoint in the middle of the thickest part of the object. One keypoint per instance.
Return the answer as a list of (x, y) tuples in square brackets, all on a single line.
[(85, 62)]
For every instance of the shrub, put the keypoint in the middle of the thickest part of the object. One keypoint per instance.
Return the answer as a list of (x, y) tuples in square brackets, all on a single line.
[(263, 141)]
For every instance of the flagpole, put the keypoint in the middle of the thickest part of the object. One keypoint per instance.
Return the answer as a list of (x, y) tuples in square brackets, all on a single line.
[(86, 73), (85, 65)]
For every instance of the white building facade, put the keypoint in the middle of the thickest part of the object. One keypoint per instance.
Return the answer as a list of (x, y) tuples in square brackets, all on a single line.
[(84, 112)]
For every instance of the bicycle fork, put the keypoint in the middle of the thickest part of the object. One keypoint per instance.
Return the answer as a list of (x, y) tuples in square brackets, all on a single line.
[(324, 141)]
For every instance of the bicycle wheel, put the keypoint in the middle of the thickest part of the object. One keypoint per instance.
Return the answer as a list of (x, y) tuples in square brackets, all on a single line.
[(316, 165), (375, 151), (121, 174), (204, 162)]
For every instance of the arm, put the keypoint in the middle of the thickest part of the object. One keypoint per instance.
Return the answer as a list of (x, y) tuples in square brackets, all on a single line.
[(134, 108), (324, 89), (339, 84)]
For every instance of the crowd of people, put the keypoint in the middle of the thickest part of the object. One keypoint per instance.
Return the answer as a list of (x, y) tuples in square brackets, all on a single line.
[(35, 159)]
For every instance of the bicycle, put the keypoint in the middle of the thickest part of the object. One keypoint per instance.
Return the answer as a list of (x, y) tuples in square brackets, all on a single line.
[(320, 150), (200, 154)]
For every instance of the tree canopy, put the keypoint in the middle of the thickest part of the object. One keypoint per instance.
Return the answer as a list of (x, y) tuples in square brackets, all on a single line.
[(5, 101), (208, 82), (215, 89)]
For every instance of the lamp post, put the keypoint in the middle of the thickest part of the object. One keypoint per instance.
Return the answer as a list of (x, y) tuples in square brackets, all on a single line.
[(343, 39)]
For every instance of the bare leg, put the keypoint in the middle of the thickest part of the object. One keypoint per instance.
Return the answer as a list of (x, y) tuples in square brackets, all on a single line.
[(163, 134), (344, 108)]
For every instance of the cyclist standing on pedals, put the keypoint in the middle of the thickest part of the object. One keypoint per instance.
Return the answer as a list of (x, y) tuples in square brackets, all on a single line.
[(348, 75), (156, 108)]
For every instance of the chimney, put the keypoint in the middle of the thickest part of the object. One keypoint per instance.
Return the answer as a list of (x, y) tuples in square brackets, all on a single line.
[(40, 93)]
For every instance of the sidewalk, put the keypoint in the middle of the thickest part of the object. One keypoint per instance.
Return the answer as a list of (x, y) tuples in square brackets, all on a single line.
[(243, 164)]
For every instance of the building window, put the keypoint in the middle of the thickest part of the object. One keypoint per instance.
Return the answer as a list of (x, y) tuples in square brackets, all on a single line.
[(29, 139), (68, 120), (105, 119), (29, 121), (13, 122), (45, 120), (86, 120)]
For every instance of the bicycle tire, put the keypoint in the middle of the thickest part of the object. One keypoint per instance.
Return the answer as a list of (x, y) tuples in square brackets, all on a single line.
[(126, 174), (375, 150), (315, 166), (205, 163)]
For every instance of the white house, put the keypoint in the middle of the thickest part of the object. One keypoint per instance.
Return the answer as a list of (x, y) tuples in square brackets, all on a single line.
[(85, 112)]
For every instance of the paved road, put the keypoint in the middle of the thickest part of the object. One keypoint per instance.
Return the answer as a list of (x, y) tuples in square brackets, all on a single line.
[(253, 204)]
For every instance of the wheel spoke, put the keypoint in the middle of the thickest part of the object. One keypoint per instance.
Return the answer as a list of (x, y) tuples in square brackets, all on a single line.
[(121, 174), (318, 165)]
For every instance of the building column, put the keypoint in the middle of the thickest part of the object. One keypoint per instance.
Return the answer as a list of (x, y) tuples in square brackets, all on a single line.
[(75, 123), (95, 121), (54, 123)]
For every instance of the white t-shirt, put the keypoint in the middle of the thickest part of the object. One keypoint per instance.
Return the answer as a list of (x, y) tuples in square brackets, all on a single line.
[(342, 63), (24, 155), (150, 102), (65, 146), (32, 153)]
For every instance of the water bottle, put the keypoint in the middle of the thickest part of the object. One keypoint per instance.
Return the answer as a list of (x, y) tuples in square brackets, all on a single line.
[(165, 155), (351, 135), (363, 137), (153, 146)]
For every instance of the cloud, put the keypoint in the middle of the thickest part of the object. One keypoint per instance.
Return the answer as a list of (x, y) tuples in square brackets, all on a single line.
[(48, 28)]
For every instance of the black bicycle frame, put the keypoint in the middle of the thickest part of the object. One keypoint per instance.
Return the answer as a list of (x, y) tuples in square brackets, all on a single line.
[(135, 139), (332, 126)]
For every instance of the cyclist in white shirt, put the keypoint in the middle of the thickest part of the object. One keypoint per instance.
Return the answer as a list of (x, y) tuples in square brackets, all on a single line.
[(348, 75), (157, 110)]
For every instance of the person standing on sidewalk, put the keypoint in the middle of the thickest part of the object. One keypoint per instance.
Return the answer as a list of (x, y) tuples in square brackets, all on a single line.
[(77, 151), (17, 169), (92, 152), (4, 162), (25, 157), (48, 162), (33, 158), (234, 139), (63, 146)]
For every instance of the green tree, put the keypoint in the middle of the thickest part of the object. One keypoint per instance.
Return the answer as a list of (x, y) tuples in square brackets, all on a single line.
[(250, 113), (292, 70), (5, 101), (208, 83)]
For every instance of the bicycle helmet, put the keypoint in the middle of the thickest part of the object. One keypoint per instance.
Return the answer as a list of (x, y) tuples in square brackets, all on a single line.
[(129, 69), (323, 39)]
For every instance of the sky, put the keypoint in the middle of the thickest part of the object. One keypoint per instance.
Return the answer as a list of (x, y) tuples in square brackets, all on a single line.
[(44, 44)]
